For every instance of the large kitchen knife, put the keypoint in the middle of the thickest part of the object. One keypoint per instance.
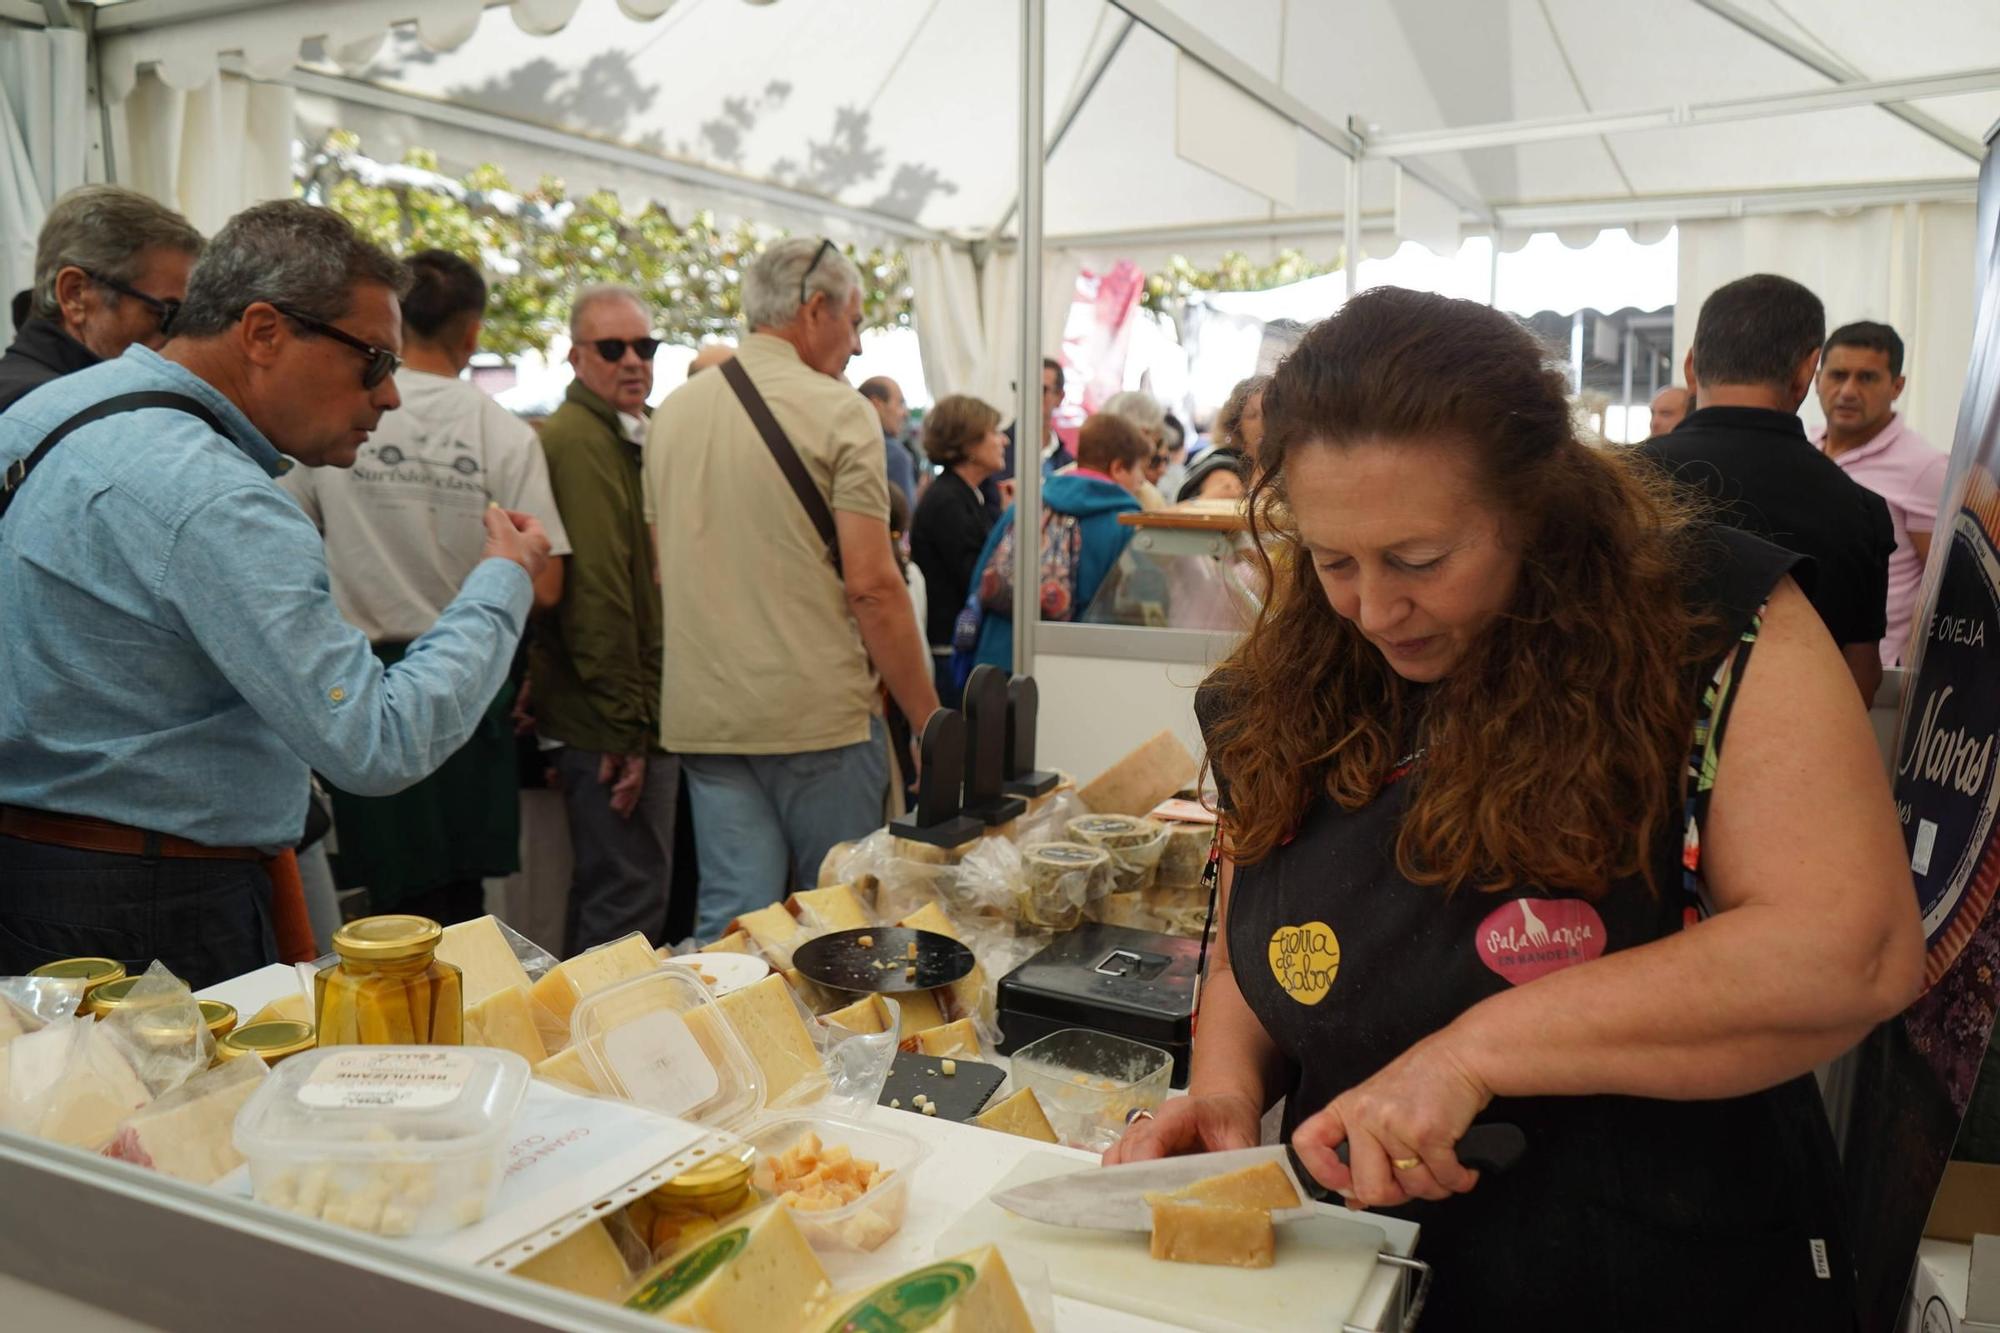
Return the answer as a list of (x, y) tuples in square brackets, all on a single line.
[(1113, 1198)]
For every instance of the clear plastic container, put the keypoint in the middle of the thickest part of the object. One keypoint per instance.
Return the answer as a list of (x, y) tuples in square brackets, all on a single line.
[(1089, 1082), (659, 1041), (398, 1140), (871, 1219)]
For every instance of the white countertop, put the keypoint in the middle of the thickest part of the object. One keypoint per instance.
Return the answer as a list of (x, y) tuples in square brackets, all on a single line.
[(965, 1163)]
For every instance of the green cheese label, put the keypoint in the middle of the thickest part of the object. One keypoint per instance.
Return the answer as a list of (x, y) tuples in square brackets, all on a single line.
[(912, 1302), (687, 1272)]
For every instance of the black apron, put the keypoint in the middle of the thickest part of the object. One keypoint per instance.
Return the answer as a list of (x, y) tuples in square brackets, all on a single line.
[(1627, 1214)]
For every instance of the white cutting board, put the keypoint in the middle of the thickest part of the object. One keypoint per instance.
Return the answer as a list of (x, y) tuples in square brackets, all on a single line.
[(1322, 1265)]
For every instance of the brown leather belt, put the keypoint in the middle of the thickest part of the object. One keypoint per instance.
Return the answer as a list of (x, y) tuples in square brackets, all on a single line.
[(101, 835)]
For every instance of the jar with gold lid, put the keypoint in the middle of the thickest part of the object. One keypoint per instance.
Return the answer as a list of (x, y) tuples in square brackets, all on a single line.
[(697, 1201), (274, 1039), (389, 987), (91, 972)]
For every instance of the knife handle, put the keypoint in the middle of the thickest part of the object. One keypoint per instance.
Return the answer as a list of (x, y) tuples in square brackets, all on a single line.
[(1483, 1148)]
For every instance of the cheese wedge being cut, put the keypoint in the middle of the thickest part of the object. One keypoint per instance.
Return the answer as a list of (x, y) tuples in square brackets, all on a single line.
[(189, 1133), (774, 931), (587, 973), (1261, 1186), (832, 908), (506, 1019), (97, 1090), (967, 1293), (1212, 1233), (567, 1068), (584, 1263), (1020, 1115), (969, 996), (768, 1023), (479, 950), (753, 1276), (957, 1038), (736, 941), (867, 1014), (294, 1007), (1142, 779)]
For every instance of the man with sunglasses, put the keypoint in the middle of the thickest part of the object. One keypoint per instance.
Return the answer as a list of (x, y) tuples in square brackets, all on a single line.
[(594, 669), (173, 663), (111, 267)]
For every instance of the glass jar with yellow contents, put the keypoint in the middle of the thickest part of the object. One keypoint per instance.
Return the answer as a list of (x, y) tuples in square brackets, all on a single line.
[(697, 1201), (389, 987)]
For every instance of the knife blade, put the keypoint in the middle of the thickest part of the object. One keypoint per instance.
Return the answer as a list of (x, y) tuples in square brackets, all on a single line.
[(1113, 1198)]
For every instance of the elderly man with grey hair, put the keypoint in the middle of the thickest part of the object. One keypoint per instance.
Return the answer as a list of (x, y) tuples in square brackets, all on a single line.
[(111, 266), (781, 603), (174, 663), (595, 663)]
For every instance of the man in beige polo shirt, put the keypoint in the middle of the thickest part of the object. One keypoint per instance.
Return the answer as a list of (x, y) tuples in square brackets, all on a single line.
[(769, 687)]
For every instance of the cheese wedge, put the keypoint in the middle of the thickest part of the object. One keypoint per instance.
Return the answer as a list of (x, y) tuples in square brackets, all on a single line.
[(832, 908), (1142, 779), (1261, 1186), (958, 1038), (1020, 1115), (587, 973), (506, 1019), (930, 917), (294, 1007), (921, 1010), (479, 950), (736, 941), (867, 1014), (774, 931), (968, 1293), (969, 996), (816, 997), (753, 1276), (189, 1133), (1212, 1233), (567, 1068), (585, 1263), (768, 1023)]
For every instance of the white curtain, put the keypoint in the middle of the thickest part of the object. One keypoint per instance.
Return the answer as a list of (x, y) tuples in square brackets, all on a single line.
[(210, 152), (1909, 266), (44, 141), (969, 318)]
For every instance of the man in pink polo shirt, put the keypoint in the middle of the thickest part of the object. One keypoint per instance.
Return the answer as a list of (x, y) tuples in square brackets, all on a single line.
[(1860, 379)]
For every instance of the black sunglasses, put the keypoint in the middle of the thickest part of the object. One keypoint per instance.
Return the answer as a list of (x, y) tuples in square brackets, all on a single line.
[(818, 255), (613, 349), (166, 307), (382, 363)]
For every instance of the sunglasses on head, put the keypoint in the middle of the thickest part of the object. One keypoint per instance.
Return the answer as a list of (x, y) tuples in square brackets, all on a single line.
[(819, 254), (382, 363), (613, 349), (165, 307)]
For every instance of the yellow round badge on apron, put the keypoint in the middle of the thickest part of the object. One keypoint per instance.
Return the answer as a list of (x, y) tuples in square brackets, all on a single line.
[(1305, 960)]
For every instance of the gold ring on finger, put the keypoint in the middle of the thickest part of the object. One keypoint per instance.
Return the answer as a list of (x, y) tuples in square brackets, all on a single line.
[(1407, 1163)]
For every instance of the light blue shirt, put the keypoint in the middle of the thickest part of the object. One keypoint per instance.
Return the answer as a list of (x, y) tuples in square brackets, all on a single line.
[(170, 654)]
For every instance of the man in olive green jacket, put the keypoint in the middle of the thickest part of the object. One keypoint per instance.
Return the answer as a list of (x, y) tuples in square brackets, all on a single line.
[(595, 664)]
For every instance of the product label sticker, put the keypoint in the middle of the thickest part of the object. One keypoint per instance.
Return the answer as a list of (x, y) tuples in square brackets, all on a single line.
[(660, 1063), (910, 1303), (1532, 937), (367, 1078), (1305, 959), (687, 1273)]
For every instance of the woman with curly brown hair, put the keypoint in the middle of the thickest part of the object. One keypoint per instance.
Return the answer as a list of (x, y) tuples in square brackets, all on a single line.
[(1489, 857)]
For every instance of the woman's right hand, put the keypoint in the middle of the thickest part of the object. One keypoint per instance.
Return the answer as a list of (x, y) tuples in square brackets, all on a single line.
[(1215, 1122)]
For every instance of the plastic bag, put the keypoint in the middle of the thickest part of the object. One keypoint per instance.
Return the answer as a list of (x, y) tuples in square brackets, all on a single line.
[(1135, 846), (187, 1134), (1059, 880), (853, 1065), (160, 1029), (987, 881), (1048, 817), (29, 1003), (72, 1082)]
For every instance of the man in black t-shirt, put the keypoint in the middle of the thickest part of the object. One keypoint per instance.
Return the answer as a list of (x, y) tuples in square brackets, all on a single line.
[(1756, 349)]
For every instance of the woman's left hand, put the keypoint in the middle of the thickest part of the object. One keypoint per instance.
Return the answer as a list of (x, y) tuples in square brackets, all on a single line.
[(1413, 1111)]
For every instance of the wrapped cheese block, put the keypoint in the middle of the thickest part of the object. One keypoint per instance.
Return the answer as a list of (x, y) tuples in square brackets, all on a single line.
[(97, 1089), (753, 1276), (1185, 855), (188, 1133), (1058, 880), (1135, 845)]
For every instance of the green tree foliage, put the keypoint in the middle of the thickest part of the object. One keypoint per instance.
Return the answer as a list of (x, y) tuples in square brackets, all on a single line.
[(541, 244), (1168, 291)]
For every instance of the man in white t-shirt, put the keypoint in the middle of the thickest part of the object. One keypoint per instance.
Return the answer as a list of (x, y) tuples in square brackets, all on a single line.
[(403, 528)]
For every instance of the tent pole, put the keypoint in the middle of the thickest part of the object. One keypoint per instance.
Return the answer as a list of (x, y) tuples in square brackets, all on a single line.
[(1493, 273), (1350, 226), (1631, 348), (1576, 351), (1028, 380)]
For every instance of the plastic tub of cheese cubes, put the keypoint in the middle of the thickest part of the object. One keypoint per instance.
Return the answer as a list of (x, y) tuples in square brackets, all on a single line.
[(396, 1140), (1089, 1082), (819, 1167)]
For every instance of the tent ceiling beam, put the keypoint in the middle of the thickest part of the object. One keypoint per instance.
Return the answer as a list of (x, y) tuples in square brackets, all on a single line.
[(483, 122), (24, 12), (1073, 110), (1250, 229), (1197, 45), (139, 15), (1591, 124), (1840, 72), (1619, 210)]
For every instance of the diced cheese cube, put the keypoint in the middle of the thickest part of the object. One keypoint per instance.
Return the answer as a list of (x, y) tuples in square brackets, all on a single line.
[(1212, 1233), (593, 971), (736, 941), (831, 908), (767, 1021), (479, 950), (959, 1038), (1261, 1186), (506, 1019), (754, 1276), (585, 1263), (1019, 1115)]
